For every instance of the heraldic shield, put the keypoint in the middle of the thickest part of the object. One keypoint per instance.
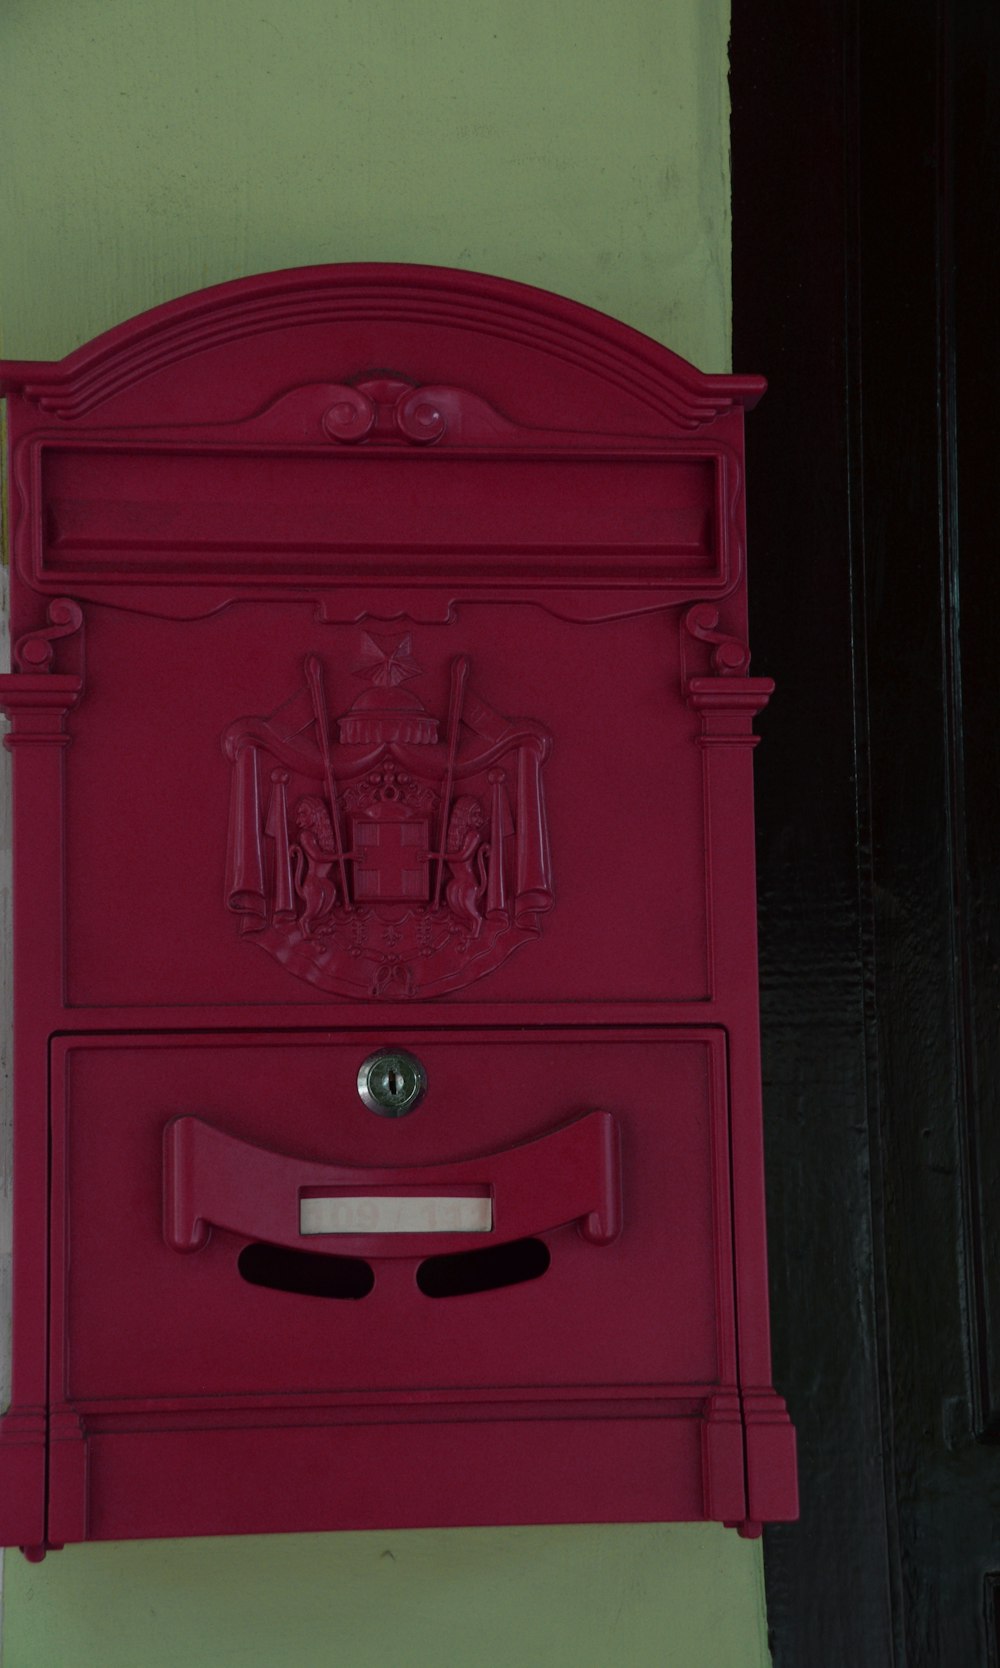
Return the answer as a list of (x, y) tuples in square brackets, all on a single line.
[(374, 855)]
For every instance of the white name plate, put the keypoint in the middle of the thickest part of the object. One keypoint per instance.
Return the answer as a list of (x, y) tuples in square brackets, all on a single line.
[(386, 1214)]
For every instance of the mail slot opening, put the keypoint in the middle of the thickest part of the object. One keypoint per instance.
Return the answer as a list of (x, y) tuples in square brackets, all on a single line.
[(308, 1273), (460, 1273)]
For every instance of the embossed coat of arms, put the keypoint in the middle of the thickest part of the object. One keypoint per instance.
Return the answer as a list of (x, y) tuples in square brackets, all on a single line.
[(382, 853)]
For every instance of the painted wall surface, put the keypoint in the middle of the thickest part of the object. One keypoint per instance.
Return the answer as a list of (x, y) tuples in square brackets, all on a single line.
[(152, 147), (587, 1597)]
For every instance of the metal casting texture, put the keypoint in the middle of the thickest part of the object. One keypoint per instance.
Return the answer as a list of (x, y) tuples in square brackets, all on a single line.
[(379, 919), (219, 509)]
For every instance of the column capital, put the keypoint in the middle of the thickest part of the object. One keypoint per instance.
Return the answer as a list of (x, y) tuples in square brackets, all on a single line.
[(728, 706), (36, 704)]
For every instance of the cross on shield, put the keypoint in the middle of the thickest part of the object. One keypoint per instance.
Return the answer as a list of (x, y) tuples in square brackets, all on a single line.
[(391, 855)]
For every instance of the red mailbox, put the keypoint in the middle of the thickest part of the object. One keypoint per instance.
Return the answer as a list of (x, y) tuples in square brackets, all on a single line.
[(387, 1126)]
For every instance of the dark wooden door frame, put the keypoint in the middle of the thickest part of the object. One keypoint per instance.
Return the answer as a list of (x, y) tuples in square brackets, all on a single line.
[(865, 216)]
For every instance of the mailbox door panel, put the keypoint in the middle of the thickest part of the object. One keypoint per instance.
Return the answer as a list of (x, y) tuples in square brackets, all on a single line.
[(190, 1399), (139, 1319)]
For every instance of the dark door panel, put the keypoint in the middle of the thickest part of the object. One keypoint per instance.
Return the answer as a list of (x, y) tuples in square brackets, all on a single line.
[(865, 192)]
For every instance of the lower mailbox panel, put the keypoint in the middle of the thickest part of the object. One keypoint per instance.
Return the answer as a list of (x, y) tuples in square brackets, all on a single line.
[(514, 1304)]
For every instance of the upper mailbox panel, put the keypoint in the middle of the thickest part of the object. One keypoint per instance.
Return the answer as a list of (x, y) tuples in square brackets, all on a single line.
[(387, 590), (384, 439)]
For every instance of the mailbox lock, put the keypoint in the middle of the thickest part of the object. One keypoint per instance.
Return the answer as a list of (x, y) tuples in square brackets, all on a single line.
[(392, 1082)]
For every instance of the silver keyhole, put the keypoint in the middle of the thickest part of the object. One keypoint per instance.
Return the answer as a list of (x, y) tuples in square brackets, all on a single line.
[(391, 1082)]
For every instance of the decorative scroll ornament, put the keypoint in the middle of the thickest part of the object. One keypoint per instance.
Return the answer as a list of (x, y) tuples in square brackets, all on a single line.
[(388, 408), (34, 651), (730, 657), (383, 854)]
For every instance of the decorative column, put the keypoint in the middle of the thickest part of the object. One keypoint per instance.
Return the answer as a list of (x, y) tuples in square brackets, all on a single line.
[(727, 701), (37, 701)]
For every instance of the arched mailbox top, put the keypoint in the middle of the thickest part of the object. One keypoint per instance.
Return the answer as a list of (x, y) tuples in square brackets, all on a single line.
[(220, 322), (334, 434)]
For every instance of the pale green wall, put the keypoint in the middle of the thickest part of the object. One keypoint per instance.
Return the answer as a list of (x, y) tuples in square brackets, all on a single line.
[(585, 1597), (151, 147)]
